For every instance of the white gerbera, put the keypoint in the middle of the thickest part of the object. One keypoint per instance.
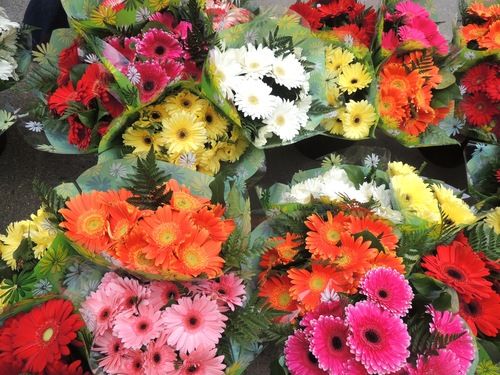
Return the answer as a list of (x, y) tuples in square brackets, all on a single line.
[(304, 104), (305, 190), (284, 120), (257, 61), (288, 71), (7, 69), (262, 135), (253, 98), (225, 67)]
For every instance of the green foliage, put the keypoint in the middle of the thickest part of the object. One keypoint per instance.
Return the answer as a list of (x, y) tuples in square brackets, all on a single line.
[(318, 108), (133, 4), (413, 244), (51, 201), (43, 78), (237, 251), (432, 291), (281, 45), (55, 260), (278, 367), (147, 184), (423, 64), (278, 333), (17, 288), (23, 255), (483, 238)]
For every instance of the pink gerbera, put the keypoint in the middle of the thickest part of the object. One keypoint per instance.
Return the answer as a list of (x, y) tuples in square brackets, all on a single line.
[(389, 289), (432, 34), (229, 291), (377, 338), (444, 363), (162, 293), (333, 308), (114, 353), (409, 10), (299, 360), (390, 40), (328, 344), (153, 80), (201, 361), (123, 46), (130, 292), (138, 329), (192, 322), (413, 35), (99, 310), (134, 363), (159, 45), (159, 358), (447, 323)]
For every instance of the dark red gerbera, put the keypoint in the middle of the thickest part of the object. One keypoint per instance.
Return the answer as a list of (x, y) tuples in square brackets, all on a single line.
[(60, 99), (459, 267), (68, 58), (58, 368), (478, 109), (482, 314), (43, 334), (78, 134), (9, 363), (476, 78), (153, 80), (310, 14), (493, 83)]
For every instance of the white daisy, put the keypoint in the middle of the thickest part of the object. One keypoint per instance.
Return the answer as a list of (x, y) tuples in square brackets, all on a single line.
[(225, 68), (463, 89), (142, 14), (118, 170), (7, 70), (187, 160), (371, 161), (469, 55), (253, 98), (305, 190), (91, 58), (133, 75), (329, 295), (34, 126), (288, 71), (452, 126), (284, 121), (257, 61), (7, 119)]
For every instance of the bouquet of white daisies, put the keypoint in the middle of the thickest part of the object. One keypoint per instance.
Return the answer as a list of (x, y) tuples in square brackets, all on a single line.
[(261, 79), (9, 42)]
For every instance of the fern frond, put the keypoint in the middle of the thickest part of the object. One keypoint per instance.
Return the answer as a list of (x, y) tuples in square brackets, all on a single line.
[(51, 201), (423, 64), (278, 333), (43, 78), (318, 108), (236, 251), (483, 238), (281, 45), (424, 342)]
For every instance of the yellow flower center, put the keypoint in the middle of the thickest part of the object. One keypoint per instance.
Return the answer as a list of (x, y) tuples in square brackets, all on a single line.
[(317, 284), (343, 260), (47, 334), (193, 258), (184, 202), (254, 65), (165, 234), (254, 100), (284, 299), (332, 236), (92, 223), (280, 120), (279, 71)]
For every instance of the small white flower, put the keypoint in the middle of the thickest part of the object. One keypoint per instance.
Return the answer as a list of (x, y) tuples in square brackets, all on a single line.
[(329, 295), (118, 170), (133, 75), (91, 58), (284, 120), (226, 68), (256, 61), (479, 149), (463, 89), (469, 55), (452, 126), (142, 14), (34, 126), (288, 71), (371, 161), (187, 160), (253, 98), (348, 40)]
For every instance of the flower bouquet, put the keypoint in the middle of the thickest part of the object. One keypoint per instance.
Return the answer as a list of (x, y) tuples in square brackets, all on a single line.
[(226, 13)]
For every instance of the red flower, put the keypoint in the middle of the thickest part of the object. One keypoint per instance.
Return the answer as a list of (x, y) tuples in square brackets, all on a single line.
[(497, 175), (60, 99), (9, 364), (91, 85), (68, 58), (478, 109), (153, 80), (459, 267), (482, 314), (78, 134), (123, 46), (310, 14), (493, 83), (43, 334), (58, 368), (476, 78)]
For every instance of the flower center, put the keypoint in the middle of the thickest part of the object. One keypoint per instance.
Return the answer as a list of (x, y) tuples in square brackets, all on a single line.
[(160, 50), (332, 236), (455, 274), (372, 336), (186, 103), (105, 314), (155, 115), (192, 369), (182, 133), (357, 120), (336, 343), (317, 284), (48, 334), (284, 299), (221, 291), (148, 86), (157, 357), (312, 358), (253, 100), (166, 235), (382, 293), (116, 348), (209, 118), (354, 81), (148, 140), (93, 224), (473, 308), (143, 326), (280, 120), (254, 65), (279, 71)]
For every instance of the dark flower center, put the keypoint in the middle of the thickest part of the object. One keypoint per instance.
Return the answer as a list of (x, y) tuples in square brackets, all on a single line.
[(221, 291), (171, 295), (209, 118), (160, 50), (155, 115), (354, 81), (312, 358), (455, 274), (372, 336), (148, 86), (157, 357), (472, 308), (147, 141), (116, 348), (143, 326), (193, 321), (336, 343), (382, 293), (137, 365), (186, 103), (357, 120), (192, 368), (182, 134), (105, 314)]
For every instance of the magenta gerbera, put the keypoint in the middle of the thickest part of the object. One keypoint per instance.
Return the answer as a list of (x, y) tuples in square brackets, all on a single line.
[(446, 323), (299, 360), (333, 308), (138, 329), (445, 362), (159, 45), (377, 338), (409, 10), (114, 353), (389, 289), (328, 344), (159, 358), (162, 293), (411, 34), (153, 80), (202, 361), (194, 322)]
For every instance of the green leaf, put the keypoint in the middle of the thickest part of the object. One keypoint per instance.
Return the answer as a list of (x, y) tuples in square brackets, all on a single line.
[(448, 79), (278, 367), (441, 98), (55, 259), (435, 136), (51, 201), (369, 236)]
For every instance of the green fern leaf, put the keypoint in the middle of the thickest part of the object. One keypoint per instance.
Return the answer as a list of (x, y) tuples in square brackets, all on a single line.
[(51, 201)]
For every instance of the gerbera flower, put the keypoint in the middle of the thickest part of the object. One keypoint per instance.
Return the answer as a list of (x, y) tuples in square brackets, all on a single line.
[(478, 109), (99, 309), (310, 14), (323, 238), (78, 134), (445, 362), (138, 329), (184, 101), (493, 220), (413, 37), (354, 77), (133, 363), (288, 71), (448, 323), (333, 308), (201, 361), (377, 227), (253, 98), (355, 256), (337, 59), (199, 255), (410, 10), (388, 289), (493, 83), (476, 78), (153, 80), (68, 58), (454, 208), (131, 253), (377, 338), (60, 99), (9, 243), (229, 291), (159, 357), (459, 267), (276, 290), (158, 45), (396, 76), (124, 47), (491, 40), (162, 293), (307, 286), (284, 121), (225, 67), (390, 40), (192, 323), (299, 360), (328, 344), (130, 292), (183, 132), (389, 260), (286, 248), (482, 314), (215, 123), (85, 221), (43, 334), (140, 139), (392, 103), (209, 219), (122, 219), (112, 348), (256, 61), (357, 119)]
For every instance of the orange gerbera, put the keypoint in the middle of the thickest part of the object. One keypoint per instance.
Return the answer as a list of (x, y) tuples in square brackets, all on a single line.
[(396, 76), (473, 32), (269, 259), (441, 112), (182, 199), (277, 292), (164, 231), (307, 286), (483, 11), (422, 98), (324, 236), (122, 218), (199, 255), (389, 260), (131, 253), (355, 257), (491, 40), (378, 228), (392, 102), (86, 221), (417, 125), (218, 228), (114, 196), (430, 77), (286, 248)]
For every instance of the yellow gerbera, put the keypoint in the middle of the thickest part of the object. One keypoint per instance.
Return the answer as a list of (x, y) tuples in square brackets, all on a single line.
[(493, 220), (184, 101), (159, 4), (332, 95), (334, 124), (156, 113), (9, 243), (209, 161), (354, 77), (215, 124), (42, 232), (395, 168), (456, 209), (183, 132), (140, 139), (103, 16), (358, 119), (337, 59)]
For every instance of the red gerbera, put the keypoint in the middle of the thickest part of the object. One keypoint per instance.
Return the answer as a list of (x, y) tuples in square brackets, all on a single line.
[(153, 80), (476, 78), (9, 363), (58, 368), (309, 13), (43, 334), (482, 314), (68, 58), (78, 134), (90, 84), (123, 46), (497, 175), (459, 267), (478, 109), (60, 99), (493, 83)]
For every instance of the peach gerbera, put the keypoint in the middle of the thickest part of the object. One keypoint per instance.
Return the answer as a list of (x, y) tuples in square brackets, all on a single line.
[(307, 286), (378, 228), (324, 236), (277, 292), (86, 221), (199, 255)]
